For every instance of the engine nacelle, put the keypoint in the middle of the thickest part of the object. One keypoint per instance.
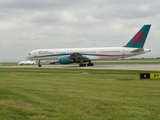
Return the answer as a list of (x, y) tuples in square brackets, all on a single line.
[(65, 60)]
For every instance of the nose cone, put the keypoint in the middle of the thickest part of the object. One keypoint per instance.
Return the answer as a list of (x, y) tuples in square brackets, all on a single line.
[(28, 57)]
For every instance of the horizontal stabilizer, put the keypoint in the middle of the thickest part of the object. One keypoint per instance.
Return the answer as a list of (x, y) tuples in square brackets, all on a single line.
[(138, 50)]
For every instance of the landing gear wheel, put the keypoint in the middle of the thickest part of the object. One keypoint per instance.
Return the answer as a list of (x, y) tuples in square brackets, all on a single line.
[(90, 64), (39, 63), (82, 65)]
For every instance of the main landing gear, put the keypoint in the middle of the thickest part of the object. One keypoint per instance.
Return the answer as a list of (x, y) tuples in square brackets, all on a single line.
[(39, 64), (88, 64)]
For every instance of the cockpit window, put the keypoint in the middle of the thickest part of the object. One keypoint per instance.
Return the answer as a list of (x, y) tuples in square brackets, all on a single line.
[(29, 54)]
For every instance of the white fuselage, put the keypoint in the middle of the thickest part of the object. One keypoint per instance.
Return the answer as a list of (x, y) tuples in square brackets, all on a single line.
[(100, 53)]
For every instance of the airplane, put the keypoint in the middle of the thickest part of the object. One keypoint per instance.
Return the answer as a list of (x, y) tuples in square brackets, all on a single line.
[(84, 56), (28, 62)]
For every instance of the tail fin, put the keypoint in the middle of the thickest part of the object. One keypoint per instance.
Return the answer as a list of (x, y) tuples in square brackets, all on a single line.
[(139, 39)]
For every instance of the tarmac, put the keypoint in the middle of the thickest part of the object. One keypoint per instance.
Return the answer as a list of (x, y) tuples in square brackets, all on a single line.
[(147, 67)]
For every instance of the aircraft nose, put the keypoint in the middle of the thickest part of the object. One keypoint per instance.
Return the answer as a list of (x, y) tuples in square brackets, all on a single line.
[(26, 57)]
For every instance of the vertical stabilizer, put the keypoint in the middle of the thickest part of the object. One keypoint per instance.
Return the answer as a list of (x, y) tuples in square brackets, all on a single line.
[(139, 39)]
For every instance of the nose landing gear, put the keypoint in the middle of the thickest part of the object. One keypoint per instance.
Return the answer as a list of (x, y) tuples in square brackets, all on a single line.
[(39, 64)]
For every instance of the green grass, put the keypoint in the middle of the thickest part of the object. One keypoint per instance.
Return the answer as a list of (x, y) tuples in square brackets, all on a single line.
[(71, 94), (8, 63), (66, 71)]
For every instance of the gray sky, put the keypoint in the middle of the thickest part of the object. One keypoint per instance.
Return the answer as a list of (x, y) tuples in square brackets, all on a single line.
[(26, 25)]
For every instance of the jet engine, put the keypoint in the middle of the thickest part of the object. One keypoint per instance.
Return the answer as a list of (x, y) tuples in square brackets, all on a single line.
[(65, 60)]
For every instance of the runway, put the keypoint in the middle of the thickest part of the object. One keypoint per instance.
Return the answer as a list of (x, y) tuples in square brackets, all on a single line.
[(147, 67)]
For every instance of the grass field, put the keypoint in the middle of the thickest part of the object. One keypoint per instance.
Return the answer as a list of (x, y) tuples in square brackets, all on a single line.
[(75, 94)]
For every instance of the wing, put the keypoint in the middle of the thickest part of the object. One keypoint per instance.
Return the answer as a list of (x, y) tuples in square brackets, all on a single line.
[(77, 57)]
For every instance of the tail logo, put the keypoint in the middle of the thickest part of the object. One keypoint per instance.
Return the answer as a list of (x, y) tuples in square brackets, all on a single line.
[(138, 37)]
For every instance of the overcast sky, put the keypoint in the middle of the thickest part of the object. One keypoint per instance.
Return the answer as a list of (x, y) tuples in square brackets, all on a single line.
[(26, 25)]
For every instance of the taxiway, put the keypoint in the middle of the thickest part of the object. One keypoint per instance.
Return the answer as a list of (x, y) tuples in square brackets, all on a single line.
[(147, 67)]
